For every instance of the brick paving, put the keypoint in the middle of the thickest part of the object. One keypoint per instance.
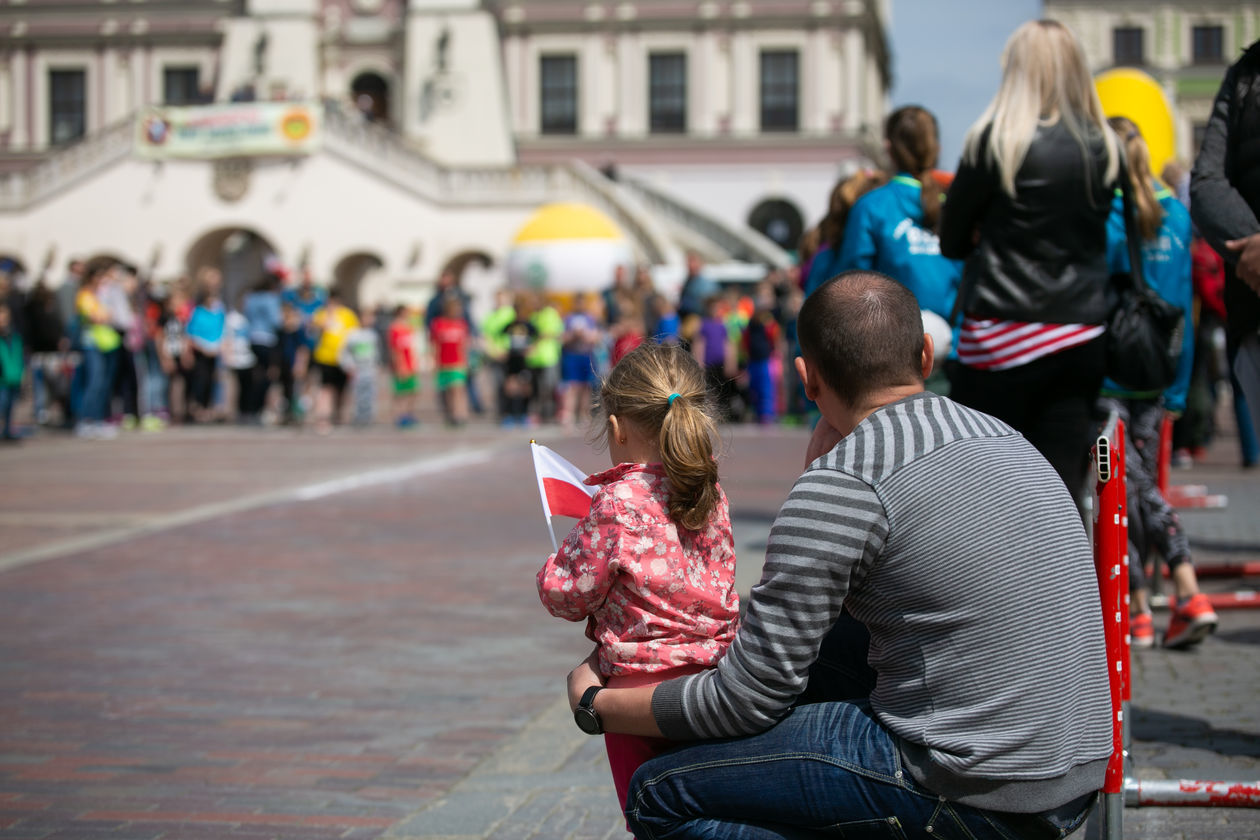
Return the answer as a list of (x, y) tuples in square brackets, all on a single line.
[(240, 633)]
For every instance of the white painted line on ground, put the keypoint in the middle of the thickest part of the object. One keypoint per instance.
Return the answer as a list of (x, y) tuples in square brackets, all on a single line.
[(213, 510), (388, 475)]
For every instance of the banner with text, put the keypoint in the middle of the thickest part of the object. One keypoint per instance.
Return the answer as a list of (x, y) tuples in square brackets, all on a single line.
[(236, 130)]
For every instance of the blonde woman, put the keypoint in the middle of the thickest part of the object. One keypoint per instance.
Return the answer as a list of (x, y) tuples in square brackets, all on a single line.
[(1028, 211)]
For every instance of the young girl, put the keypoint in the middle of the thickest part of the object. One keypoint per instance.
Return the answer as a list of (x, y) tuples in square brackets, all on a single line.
[(652, 566)]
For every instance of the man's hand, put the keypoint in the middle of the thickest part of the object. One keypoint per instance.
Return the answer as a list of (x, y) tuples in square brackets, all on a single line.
[(1248, 251), (585, 675), (824, 440)]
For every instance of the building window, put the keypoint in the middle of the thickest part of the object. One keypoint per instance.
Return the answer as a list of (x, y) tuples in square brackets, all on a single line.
[(559, 94), (181, 85), (67, 105), (1126, 45), (667, 93), (780, 86), (1208, 44)]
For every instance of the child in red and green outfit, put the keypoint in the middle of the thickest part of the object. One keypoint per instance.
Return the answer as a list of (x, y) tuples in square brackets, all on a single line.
[(449, 336)]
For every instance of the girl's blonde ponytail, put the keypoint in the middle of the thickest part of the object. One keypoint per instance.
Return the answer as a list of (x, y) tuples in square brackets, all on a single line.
[(661, 389), (687, 455)]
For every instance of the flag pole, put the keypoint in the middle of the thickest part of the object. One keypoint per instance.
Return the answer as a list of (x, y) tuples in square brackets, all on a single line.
[(551, 531)]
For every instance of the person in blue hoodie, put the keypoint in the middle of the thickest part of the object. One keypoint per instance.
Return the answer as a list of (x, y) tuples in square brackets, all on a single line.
[(1164, 225), (893, 229)]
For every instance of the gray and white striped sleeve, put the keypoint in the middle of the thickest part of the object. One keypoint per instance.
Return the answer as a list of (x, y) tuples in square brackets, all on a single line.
[(831, 524)]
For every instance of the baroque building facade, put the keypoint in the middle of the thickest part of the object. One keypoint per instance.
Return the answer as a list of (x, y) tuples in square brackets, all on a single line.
[(442, 123), (1185, 46)]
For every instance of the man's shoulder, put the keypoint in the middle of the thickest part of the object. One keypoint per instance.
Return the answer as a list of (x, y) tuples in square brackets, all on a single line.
[(908, 431)]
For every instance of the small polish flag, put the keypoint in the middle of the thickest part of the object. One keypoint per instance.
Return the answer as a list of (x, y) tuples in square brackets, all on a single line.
[(560, 484)]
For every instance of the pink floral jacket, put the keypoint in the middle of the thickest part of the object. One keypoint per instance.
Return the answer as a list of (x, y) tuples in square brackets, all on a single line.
[(656, 596)]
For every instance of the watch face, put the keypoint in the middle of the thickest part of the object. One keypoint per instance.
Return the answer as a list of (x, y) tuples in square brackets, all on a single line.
[(587, 720)]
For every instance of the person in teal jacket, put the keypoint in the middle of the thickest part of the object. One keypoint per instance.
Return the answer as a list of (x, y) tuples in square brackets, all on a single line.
[(1164, 225), (892, 229), (12, 365), (1166, 268)]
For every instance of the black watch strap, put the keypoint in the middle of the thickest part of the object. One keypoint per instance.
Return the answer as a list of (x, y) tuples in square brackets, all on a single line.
[(585, 715)]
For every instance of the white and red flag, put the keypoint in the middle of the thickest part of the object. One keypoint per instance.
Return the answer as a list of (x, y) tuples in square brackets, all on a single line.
[(560, 484)]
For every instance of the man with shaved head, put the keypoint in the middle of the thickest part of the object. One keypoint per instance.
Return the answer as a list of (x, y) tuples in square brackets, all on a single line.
[(890, 678)]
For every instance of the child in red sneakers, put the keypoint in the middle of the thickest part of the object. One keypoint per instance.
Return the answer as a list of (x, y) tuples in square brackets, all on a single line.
[(1153, 524)]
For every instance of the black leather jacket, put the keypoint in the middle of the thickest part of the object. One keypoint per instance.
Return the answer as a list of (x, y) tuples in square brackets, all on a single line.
[(1225, 185), (1042, 255)]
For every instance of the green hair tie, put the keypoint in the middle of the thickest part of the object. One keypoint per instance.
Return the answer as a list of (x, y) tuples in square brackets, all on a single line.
[(672, 397)]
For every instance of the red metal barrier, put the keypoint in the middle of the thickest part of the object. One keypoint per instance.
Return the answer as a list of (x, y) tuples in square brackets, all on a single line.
[(1110, 544), (1110, 532), (1111, 561), (1184, 792), (1221, 570)]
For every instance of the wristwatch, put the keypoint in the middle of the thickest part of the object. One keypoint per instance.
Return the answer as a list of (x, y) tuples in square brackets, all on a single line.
[(585, 715)]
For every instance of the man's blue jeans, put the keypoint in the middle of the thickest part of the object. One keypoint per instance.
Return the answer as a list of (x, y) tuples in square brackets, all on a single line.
[(826, 770)]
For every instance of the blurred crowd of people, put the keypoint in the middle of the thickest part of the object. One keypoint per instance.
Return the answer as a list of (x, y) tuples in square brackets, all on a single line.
[(107, 350)]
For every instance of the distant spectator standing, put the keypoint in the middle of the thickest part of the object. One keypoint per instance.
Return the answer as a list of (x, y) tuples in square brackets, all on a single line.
[(763, 345), (824, 261), (154, 366), (117, 294), (496, 344), (582, 334), (696, 287), (12, 366), (361, 359), (1225, 203), (205, 337), (305, 297), (66, 294), (404, 365), (716, 353), (239, 358), (449, 285), (893, 229), (449, 336), (618, 295), (1028, 209), (544, 358), (519, 335), (261, 309), (100, 343), (331, 325), (46, 344), (295, 355)]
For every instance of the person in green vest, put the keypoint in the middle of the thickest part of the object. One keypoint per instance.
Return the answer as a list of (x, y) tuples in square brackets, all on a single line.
[(496, 343), (544, 359), (12, 365)]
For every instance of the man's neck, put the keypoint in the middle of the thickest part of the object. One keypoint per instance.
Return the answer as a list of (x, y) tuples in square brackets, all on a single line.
[(847, 418)]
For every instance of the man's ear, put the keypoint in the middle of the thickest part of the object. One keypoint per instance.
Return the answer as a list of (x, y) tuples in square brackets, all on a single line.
[(809, 378), (929, 354)]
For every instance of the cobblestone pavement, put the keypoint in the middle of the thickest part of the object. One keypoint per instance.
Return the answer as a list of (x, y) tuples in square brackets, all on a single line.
[(240, 633)]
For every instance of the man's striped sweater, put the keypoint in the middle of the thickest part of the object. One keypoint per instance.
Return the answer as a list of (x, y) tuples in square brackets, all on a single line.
[(955, 543)]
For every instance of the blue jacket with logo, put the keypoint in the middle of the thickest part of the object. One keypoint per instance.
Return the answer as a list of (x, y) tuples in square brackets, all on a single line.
[(1166, 269), (884, 232)]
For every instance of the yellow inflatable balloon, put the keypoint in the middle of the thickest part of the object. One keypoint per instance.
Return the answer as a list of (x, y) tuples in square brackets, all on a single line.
[(1126, 92)]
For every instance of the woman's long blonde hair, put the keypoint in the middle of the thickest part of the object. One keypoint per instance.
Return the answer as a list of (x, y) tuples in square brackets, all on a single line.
[(1150, 215), (638, 389), (1044, 77)]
